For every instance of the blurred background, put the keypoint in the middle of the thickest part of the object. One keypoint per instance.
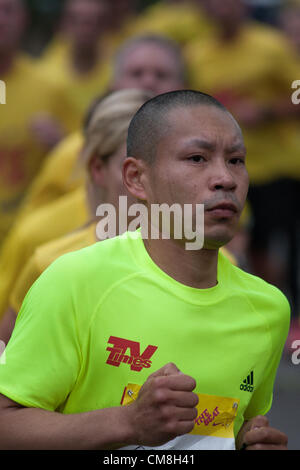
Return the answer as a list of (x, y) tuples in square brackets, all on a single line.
[(58, 56)]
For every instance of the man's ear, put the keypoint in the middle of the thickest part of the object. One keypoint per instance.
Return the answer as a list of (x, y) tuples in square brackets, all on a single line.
[(97, 170), (134, 177)]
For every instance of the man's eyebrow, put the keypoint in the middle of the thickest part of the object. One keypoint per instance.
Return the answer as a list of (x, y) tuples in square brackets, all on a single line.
[(206, 144), (238, 147), (201, 143)]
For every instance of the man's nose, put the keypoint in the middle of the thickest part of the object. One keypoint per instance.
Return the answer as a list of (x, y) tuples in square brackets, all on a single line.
[(149, 82), (222, 178)]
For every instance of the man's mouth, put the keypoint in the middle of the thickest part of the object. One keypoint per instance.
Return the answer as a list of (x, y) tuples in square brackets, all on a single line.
[(223, 210)]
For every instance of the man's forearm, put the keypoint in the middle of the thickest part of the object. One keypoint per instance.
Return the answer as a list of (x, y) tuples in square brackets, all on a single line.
[(37, 429)]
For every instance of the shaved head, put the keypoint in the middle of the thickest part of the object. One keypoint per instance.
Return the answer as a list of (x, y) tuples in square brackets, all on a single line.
[(150, 123)]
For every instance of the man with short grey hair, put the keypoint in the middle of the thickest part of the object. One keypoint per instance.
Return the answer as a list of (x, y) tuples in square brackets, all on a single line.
[(148, 344)]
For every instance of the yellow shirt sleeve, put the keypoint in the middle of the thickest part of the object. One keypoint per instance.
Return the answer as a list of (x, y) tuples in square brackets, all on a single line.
[(44, 256), (45, 224), (57, 50)]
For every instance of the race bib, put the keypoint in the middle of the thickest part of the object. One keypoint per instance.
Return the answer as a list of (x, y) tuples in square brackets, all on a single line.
[(213, 428)]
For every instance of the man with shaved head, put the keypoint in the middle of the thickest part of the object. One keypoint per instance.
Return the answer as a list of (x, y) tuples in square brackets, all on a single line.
[(149, 344)]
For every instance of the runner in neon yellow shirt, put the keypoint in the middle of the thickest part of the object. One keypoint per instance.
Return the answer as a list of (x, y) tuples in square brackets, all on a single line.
[(109, 316)]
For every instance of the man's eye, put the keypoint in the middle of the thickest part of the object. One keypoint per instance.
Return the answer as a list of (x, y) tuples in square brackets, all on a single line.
[(160, 75), (196, 158), (237, 161), (136, 73)]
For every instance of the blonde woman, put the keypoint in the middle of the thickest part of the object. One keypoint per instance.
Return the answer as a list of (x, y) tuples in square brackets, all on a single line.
[(102, 156)]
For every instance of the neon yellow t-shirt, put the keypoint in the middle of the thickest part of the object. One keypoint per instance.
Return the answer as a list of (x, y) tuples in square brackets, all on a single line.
[(45, 224), (28, 94), (106, 316), (45, 255), (260, 66), (59, 175)]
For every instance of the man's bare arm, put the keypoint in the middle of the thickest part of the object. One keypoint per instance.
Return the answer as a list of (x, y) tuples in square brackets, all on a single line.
[(164, 409), (34, 428)]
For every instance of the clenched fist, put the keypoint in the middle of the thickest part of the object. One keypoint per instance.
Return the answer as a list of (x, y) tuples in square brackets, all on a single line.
[(165, 407)]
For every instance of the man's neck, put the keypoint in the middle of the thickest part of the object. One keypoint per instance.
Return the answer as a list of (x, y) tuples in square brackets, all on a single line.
[(6, 63), (196, 269)]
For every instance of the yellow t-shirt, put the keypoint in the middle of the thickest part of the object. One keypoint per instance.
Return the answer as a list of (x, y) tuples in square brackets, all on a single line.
[(259, 65), (56, 50), (45, 224), (59, 175), (79, 90), (21, 155), (44, 256)]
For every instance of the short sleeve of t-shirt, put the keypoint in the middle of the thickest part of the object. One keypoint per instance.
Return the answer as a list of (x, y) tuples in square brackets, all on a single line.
[(262, 397), (43, 356)]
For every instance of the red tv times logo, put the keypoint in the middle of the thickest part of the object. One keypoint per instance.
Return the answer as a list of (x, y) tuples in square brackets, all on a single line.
[(136, 360)]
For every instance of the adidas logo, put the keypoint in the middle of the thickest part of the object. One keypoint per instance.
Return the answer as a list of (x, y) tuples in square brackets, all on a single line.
[(247, 384)]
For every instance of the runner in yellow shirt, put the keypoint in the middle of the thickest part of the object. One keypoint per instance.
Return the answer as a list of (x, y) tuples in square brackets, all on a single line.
[(118, 20), (34, 118), (84, 72)]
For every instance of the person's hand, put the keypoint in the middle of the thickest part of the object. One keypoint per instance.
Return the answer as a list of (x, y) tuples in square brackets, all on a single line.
[(165, 407), (47, 131), (258, 435)]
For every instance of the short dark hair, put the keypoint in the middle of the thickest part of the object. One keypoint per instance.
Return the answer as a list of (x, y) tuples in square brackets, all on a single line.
[(149, 123)]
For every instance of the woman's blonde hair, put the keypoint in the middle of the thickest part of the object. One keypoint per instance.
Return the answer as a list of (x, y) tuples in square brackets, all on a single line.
[(107, 131), (108, 127)]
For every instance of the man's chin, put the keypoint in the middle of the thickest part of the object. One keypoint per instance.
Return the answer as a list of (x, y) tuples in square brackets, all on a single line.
[(214, 243)]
